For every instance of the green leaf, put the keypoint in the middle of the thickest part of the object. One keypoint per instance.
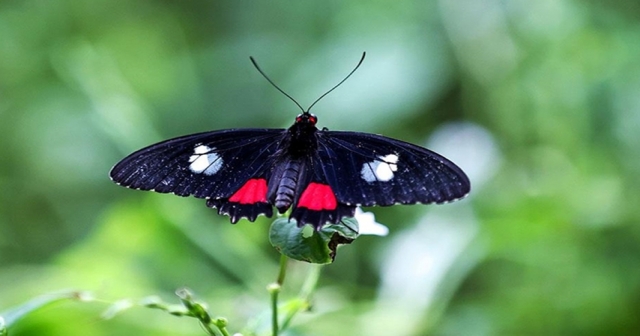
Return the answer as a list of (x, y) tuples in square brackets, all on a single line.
[(11, 316), (306, 244), (117, 308)]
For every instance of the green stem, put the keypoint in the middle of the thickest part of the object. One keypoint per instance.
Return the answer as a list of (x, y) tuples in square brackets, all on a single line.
[(308, 287), (221, 323), (274, 290), (208, 329), (310, 282), (225, 332), (283, 269), (274, 312)]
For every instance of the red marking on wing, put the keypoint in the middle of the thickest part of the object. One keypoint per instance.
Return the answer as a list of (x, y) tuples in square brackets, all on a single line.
[(318, 197), (253, 191)]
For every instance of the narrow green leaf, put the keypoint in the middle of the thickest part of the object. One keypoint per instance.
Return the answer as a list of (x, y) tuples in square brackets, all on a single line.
[(117, 308), (11, 316)]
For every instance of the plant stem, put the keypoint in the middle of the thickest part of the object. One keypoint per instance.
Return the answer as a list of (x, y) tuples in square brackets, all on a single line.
[(304, 297), (274, 312), (310, 282), (208, 329), (224, 332), (274, 290), (283, 269)]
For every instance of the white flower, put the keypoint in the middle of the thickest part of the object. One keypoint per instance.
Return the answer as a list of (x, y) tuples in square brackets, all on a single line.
[(367, 224)]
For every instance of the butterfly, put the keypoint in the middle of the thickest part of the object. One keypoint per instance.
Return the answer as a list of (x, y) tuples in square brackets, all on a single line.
[(321, 176)]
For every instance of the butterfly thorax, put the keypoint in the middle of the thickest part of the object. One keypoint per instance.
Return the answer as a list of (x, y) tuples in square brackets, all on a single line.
[(301, 136)]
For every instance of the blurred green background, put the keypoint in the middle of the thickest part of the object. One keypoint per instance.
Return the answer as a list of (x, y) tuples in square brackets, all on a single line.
[(539, 101)]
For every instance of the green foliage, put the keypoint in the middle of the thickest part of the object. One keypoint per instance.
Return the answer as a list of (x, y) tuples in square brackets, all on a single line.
[(13, 315), (306, 244)]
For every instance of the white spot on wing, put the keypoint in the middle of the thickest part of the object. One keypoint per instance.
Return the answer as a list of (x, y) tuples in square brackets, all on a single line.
[(204, 160), (380, 170)]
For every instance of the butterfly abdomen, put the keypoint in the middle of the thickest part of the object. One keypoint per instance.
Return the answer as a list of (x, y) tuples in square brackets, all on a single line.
[(287, 177)]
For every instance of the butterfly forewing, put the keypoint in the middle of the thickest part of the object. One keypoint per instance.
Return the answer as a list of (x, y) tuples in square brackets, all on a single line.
[(205, 165), (367, 169)]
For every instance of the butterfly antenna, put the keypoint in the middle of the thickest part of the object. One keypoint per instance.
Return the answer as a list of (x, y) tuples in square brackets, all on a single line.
[(342, 81), (255, 64)]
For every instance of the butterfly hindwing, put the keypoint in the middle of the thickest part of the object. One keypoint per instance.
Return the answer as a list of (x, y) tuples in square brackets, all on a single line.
[(317, 204), (367, 169), (230, 168)]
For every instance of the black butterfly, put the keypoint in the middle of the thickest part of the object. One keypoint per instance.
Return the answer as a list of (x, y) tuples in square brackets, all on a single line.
[(322, 175)]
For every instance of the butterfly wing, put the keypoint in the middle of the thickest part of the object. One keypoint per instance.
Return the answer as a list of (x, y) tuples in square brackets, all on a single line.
[(232, 170), (368, 169), (229, 168)]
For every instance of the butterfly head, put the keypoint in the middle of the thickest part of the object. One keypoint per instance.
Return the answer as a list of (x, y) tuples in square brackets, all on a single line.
[(306, 118)]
